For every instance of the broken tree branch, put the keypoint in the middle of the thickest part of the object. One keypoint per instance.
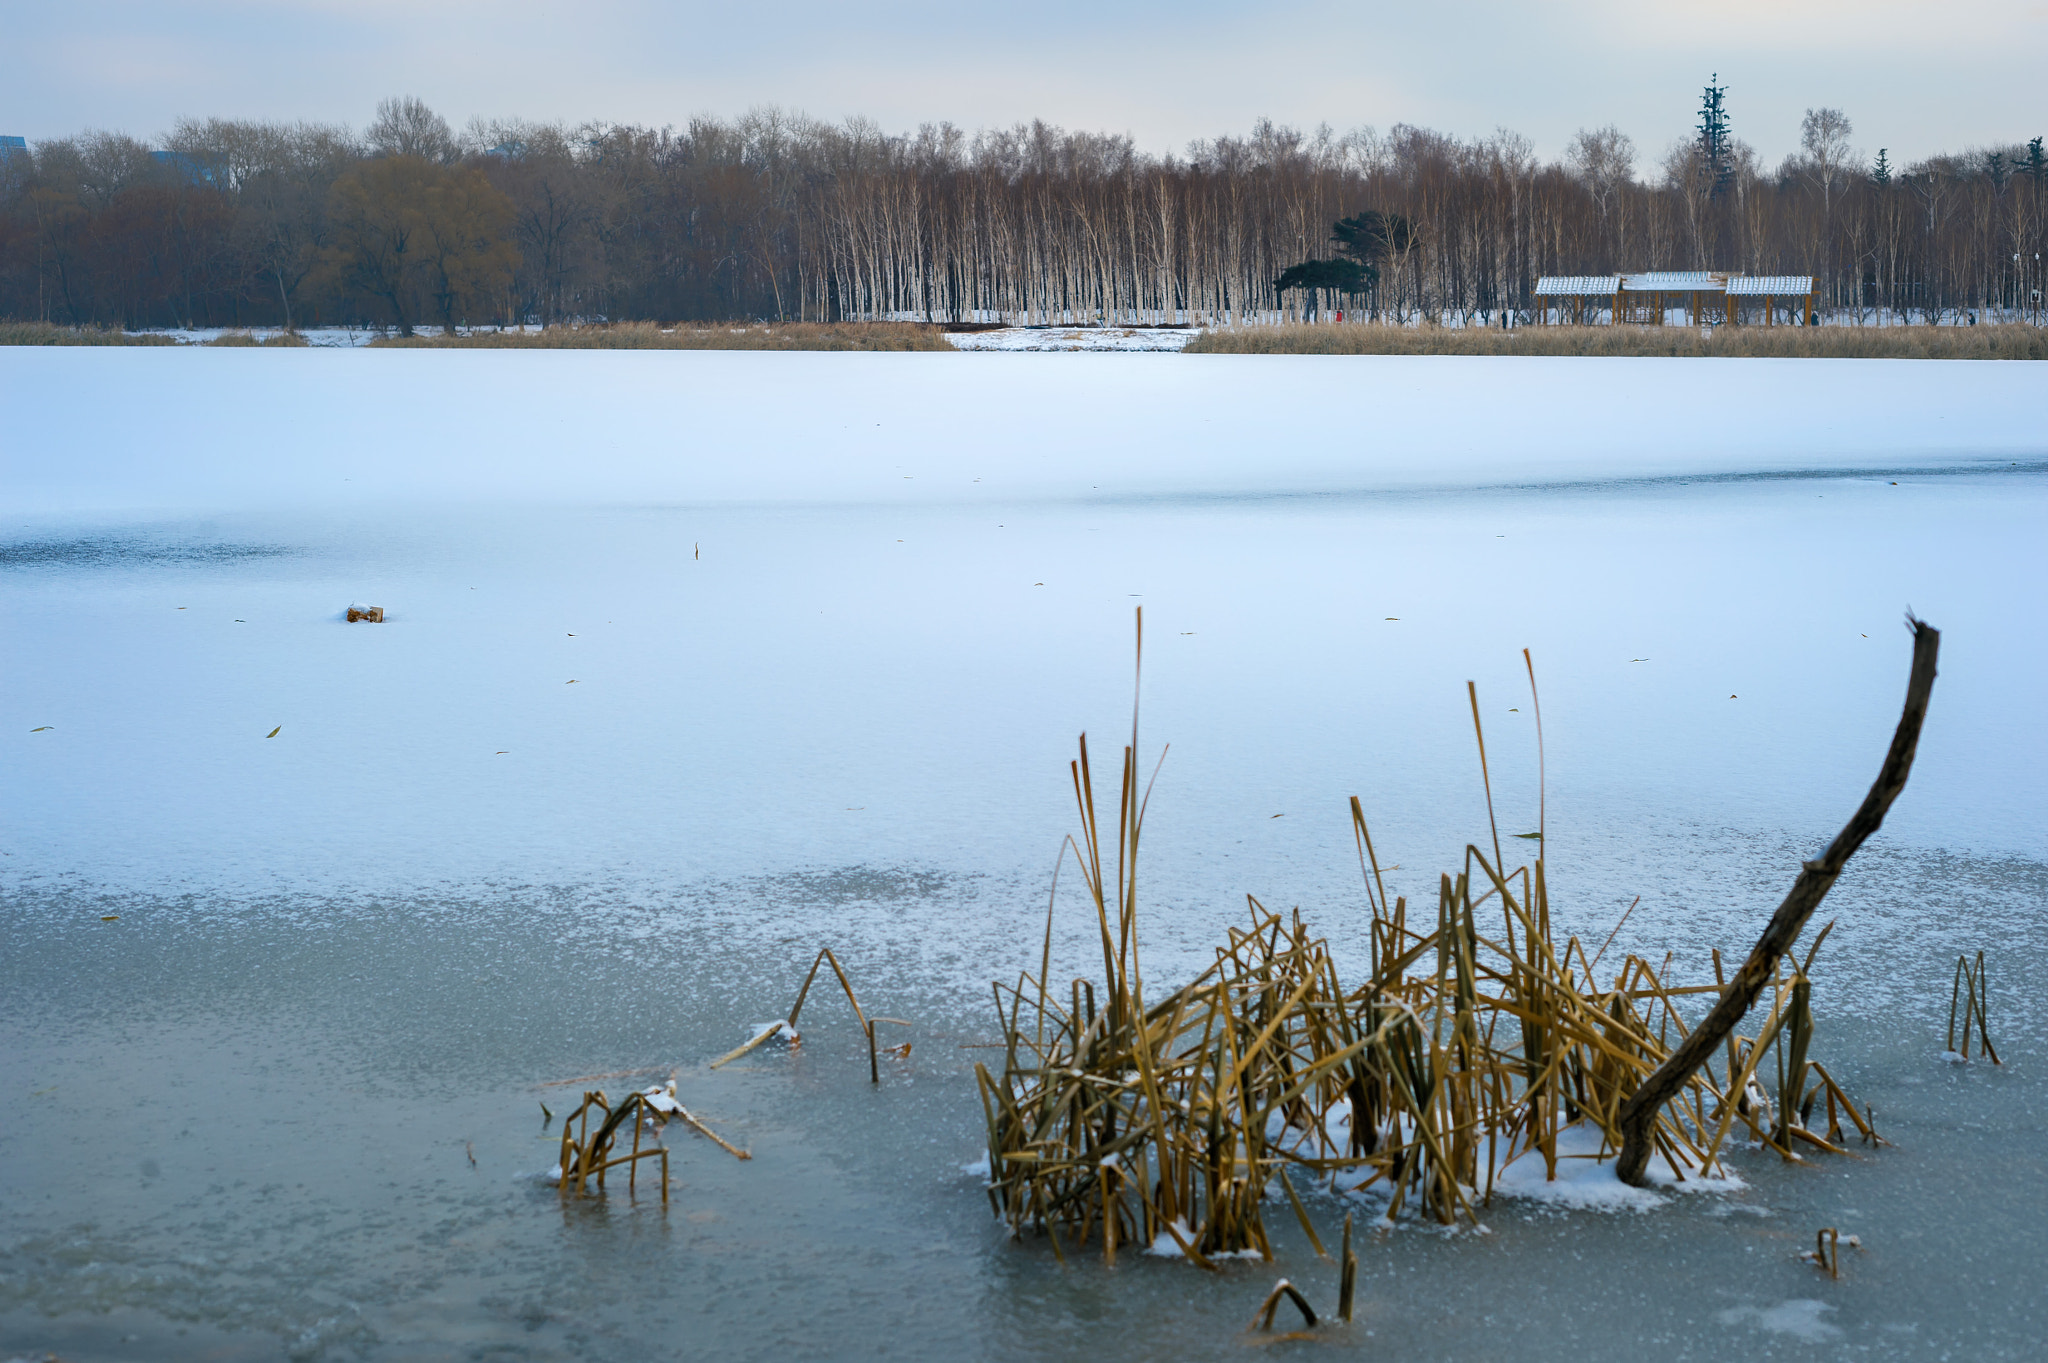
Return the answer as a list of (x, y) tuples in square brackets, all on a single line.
[(1638, 1115)]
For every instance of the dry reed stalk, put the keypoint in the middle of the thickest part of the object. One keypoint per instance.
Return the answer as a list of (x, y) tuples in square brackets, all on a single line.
[(1827, 1251), (1347, 1280), (1262, 1319), (1969, 991)]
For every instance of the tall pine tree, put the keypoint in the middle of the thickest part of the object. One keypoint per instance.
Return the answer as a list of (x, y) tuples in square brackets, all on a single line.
[(1716, 154)]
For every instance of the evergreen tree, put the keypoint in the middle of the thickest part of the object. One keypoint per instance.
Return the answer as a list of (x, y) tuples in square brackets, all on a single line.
[(1334, 276), (2037, 162), (1716, 147), (1881, 173), (1372, 237)]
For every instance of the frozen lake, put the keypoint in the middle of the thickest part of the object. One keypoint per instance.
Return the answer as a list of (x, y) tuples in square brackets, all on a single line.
[(698, 661)]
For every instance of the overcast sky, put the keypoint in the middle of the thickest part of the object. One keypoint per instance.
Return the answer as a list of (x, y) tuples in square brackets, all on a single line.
[(1915, 76)]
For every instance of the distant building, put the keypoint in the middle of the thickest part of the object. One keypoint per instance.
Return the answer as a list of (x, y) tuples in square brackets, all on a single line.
[(1647, 297), (191, 171), (11, 147)]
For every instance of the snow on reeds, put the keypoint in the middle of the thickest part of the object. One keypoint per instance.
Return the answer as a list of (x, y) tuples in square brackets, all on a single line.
[(2006, 342), (694, 336), (1124, 1117)]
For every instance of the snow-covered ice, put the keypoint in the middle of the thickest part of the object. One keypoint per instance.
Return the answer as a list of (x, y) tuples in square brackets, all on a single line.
[(206, 431), (1585, 1176), (698, 661)]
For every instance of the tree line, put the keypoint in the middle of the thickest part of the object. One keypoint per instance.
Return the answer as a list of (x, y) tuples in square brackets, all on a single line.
[(772, 215)]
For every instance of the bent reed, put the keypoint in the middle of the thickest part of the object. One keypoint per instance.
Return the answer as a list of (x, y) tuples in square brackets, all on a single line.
[(693, 336), (2008, 341)]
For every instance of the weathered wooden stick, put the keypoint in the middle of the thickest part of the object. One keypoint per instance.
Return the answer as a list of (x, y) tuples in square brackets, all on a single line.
[(1638, 1115)]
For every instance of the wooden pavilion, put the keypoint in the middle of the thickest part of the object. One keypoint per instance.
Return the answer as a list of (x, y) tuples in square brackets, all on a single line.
[(1648, 298)]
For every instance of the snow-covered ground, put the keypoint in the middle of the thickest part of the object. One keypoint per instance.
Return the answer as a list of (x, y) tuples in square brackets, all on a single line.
[(1076, 338), (325, 337)]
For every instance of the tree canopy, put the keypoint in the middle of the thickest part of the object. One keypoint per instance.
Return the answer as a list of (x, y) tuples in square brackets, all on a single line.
[(1372, 238), (424, 238), (1335, 276)]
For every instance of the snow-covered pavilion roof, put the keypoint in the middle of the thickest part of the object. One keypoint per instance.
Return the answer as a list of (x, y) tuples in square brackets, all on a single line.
[(1568, 285), (1674, 281), (1770, 285)]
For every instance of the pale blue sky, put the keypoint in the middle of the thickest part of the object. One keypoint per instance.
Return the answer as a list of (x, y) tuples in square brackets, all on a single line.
[(1915, 76)]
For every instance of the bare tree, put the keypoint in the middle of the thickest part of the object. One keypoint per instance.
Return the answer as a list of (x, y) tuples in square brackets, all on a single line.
[(1830, 160), (1604, 161), (407, 127)]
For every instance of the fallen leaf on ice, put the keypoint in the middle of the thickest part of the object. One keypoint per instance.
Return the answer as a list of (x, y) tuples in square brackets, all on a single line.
[(43, 729), (110, 918), (275, 732), (1528, 835)]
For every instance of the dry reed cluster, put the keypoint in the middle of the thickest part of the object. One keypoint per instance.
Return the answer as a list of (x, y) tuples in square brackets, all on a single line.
[(1478, 1040), (695, 336), (49, 333), (2009, 342), (287, 340)]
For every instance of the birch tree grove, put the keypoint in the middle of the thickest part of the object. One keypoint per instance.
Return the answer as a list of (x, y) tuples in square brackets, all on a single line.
[(773, 215)]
